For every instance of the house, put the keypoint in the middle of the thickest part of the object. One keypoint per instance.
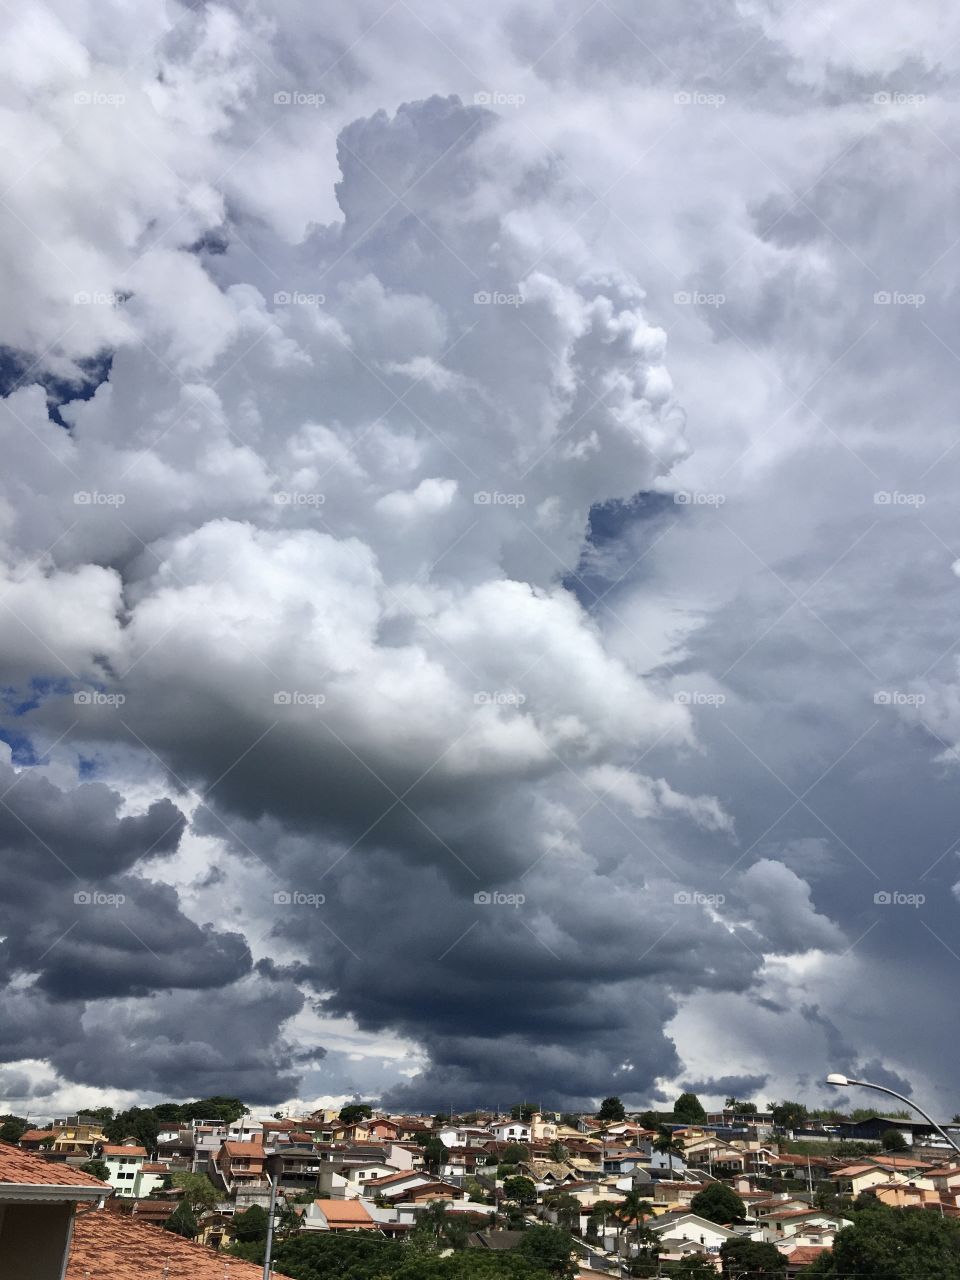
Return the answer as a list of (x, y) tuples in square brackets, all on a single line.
[(120, 1246), (393, 1183), (337, 1215), (855, 1178), (124, 1164), (295, 1164), (38, 1210), (800, 1257), (805, 1226), (239, 1163), (511, 1131), (77, 1136), (691, 1228), (37, 1139)]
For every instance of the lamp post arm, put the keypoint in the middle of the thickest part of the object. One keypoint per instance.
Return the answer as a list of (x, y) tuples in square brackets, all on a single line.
[(910, 1103)]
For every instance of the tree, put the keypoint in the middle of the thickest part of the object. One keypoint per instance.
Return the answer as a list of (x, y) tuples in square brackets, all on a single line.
[(633, 1208), (520, 1189), (434, 1154), (695, 1267), (750, 1257), (688, 1109), (182, 1221), (558, 1151), (12, 1128), (893, 1140), (96, 1169), (894, 1244), (789, 1115), (523, 1111), (740, 1108), (567, 1208), (513, 1153), (570, 1119), (251, 1224), (611, 1109), (198, 1191), (140, 1123), (355, 1111), (719, 1203), (550, 1249)]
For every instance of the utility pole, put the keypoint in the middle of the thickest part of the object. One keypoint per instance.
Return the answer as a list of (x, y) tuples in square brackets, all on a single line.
[(267, 1257)]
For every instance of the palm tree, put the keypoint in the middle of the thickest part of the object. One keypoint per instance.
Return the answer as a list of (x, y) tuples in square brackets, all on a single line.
[(432, 1218), (633, 1208), (668, 1146), (566, 1207)]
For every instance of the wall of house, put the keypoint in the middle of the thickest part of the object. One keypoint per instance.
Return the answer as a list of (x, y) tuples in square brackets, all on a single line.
[(33, 1240)]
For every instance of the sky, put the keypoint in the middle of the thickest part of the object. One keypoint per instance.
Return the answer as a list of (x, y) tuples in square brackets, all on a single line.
[(479, 601)]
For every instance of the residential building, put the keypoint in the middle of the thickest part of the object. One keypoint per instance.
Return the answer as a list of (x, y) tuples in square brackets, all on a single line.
[(124, 1163), (38, 1209), (337, 1215)]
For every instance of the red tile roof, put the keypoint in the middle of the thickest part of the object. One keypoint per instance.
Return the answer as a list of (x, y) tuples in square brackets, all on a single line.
[(39, 1135), (251, 1149), (23, 1168), (124, 1151), (111, 1246)]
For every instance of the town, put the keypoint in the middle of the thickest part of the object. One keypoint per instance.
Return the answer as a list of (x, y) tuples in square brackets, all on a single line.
[(210, 1189)]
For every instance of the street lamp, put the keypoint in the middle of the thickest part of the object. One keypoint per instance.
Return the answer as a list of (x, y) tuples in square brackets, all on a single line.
[(840, 1081)]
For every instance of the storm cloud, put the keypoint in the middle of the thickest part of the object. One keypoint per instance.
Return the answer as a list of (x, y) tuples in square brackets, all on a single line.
[(477, 553)]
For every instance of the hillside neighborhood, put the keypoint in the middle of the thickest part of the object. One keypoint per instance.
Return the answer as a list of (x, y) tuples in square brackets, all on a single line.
[(161, 1192)]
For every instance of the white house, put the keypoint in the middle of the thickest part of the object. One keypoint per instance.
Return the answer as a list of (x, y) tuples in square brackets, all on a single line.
[(511, 1131), (124, 1164), (692, 1228)]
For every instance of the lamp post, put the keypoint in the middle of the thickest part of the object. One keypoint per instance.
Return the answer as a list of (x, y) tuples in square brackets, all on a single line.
[(841, 1081)]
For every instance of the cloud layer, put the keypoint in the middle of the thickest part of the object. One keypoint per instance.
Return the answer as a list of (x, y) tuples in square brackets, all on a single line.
[(475, 552)]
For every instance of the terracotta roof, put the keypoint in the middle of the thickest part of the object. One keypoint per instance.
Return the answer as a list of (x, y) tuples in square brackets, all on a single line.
[(111, 1246), (252, 1149), (345, 1213), (39, 1135), (23, 1168), (125, 1151), (155, 1168), (806, 1253)]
